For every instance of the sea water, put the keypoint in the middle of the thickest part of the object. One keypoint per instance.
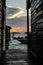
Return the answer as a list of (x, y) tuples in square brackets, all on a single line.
[(15, 44)]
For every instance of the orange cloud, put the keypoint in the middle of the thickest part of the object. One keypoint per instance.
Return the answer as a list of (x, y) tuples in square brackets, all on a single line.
[(20, 29), (13, 29)]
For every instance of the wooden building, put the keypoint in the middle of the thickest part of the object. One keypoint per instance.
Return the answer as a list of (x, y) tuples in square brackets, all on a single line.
[(2, 31), (7, 36), (2, 25), (37, 28)]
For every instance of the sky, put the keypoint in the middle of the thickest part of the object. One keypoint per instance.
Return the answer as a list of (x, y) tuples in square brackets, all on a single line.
[(16, 3), (16, 15)]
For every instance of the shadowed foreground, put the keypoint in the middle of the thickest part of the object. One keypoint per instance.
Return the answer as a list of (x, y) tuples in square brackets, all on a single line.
[(16, 57)]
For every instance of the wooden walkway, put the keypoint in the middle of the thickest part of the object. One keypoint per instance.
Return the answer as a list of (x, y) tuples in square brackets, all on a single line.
[(16, 57)]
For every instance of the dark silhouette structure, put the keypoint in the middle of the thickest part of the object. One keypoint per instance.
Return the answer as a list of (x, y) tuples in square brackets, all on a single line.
[(13, 34), (7, 36), (2, 31), (28, 34), (37, 29)]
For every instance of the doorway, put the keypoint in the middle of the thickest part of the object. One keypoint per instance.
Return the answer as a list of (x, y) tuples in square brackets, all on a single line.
[(16, 18)]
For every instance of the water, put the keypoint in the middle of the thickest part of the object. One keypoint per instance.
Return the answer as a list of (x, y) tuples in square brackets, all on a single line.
[(15, 44)]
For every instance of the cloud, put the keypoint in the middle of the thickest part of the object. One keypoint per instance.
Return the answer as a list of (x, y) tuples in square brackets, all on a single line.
[(23, 15), (18, 29), (14, 15), (19, 23)]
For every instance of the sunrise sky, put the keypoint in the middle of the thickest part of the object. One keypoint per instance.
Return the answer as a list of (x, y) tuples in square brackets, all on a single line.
[(16, 15)]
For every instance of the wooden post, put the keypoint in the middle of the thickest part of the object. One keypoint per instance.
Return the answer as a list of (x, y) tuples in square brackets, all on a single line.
[(3, 34)]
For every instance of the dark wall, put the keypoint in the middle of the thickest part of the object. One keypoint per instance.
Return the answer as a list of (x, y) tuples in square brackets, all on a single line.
[(7, 36), (37, 27)]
